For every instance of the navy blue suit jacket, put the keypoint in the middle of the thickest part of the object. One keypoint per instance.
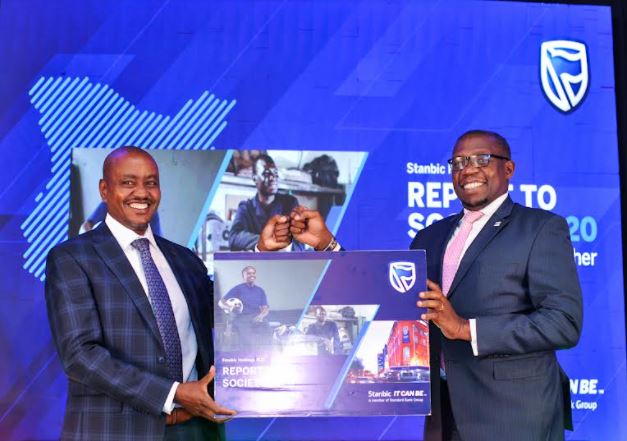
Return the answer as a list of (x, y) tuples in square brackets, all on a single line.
[(107, 336), (519, 281)]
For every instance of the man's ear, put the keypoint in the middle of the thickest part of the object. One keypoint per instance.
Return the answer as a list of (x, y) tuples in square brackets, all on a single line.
[(102, 187), (510, 166)]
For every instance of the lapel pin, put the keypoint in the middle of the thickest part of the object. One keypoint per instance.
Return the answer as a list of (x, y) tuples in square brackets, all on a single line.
[(497, 224)]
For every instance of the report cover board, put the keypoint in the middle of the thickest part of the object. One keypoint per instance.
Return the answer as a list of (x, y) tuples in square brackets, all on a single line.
[(321, 333)]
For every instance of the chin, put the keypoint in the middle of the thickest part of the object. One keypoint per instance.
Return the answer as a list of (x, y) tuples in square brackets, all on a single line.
[(477, 204), (139, 225)]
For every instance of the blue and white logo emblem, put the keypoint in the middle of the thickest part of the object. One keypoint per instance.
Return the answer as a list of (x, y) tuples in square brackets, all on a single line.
[(564, 73), (402, 275)]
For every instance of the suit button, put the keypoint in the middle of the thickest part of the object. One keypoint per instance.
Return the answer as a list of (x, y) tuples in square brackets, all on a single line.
[(161, 360)]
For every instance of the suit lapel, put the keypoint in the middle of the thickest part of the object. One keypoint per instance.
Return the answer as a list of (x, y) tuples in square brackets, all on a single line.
[(113, 257), (494, 225)]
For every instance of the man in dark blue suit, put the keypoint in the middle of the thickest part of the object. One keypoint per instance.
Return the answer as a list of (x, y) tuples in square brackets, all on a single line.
[(511, 298), (131, 317)]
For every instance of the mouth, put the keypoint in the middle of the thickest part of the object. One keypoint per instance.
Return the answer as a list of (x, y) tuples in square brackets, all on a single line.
[(139, 206), (472, 185)]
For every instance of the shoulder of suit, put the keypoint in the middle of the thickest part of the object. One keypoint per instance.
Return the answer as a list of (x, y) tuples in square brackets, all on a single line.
[(434, 232), (442, 224), (172, 246), (167, 246), (531, 213), (76, 243)]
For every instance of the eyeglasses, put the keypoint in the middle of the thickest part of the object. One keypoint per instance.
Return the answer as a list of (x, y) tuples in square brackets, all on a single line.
[(270, 173), (458, 163)]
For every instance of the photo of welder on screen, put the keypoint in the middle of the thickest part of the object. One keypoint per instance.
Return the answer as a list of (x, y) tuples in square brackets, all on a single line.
[(252, 214)]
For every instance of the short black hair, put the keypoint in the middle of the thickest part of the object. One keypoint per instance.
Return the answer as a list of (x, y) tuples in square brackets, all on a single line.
[(247, 268), (500, 140), (266, 158)]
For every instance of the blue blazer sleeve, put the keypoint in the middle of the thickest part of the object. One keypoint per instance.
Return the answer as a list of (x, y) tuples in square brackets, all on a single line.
[(553, 287), (78, 336)]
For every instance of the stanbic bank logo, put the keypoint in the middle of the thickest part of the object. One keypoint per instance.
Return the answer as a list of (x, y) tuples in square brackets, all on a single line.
[(402, 275), (564, 73)]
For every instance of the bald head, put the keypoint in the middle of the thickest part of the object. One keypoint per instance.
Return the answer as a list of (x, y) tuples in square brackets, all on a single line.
[(498, 140), (121, 152)]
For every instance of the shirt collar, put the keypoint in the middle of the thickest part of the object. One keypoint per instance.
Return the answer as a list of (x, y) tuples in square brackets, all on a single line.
[(491, 208), (125, 236)]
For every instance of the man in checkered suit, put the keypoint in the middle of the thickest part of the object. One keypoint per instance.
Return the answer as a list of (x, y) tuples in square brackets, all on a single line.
[(110, 335)]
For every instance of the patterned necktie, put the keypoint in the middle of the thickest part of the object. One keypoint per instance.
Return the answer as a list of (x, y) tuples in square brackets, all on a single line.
[(452, 256), (162, 308)]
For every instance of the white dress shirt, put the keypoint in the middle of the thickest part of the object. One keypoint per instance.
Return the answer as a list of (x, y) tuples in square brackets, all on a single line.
[(189, 346), (477, 226)]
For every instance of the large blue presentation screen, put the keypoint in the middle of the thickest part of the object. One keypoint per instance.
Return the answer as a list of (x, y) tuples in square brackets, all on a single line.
[(379, 90)]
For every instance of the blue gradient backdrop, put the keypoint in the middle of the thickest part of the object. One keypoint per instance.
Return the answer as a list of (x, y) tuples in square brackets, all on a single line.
[(398, 79)]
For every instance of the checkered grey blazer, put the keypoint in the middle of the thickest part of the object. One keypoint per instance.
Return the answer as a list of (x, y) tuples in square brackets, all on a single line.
[(107, 336)]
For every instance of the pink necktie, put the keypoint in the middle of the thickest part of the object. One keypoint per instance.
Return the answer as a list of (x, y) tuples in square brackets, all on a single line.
[(452, 256)]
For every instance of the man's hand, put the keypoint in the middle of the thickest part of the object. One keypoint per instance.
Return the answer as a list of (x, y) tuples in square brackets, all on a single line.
[(440, 312), (308, 227), (264, 310), (195, 398), (275, 234)]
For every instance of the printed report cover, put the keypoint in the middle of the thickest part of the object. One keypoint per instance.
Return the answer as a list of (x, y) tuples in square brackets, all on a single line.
[(321, 333)]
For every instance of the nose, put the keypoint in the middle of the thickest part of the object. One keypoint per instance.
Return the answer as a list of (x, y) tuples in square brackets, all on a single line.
[(141, 191), (469, 169)]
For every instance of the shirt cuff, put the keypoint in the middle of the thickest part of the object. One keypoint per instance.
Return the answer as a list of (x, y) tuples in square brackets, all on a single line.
[(473, 336), (168, 406)]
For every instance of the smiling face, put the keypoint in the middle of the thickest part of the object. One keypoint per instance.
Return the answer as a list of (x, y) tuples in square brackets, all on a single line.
[(130, 188), (250, 275), (476, 187)]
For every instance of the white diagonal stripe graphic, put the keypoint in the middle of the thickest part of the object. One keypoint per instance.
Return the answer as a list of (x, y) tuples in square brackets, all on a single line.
[(76, 112)]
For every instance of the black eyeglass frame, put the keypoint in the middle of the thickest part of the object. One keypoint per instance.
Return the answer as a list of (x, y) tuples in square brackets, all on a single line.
[(473, 159)]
